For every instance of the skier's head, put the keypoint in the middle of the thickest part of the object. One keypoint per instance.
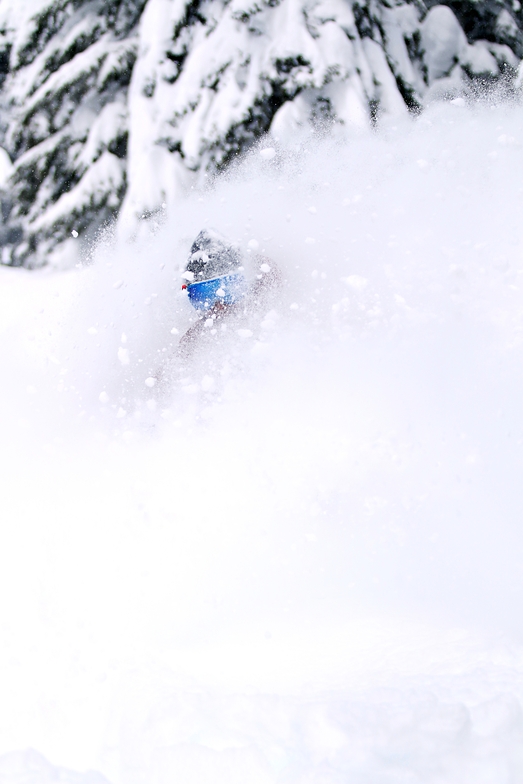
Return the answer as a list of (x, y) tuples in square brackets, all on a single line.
[(213, 273), (212, 255)]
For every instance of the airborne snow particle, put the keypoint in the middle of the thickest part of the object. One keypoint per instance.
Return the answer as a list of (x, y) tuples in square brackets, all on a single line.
[(118, 284), (74, 233), (207, 383), (356, 282), (92, 331), (174, 331), (268, 153), (244, 333), (123, 355), (253, 244), (311, 537), (310, 240), (269, 322), (121, 413), (265, 268), (150, 382), (103, 397)]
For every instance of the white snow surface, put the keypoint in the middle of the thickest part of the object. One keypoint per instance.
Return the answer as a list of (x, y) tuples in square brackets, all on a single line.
[(296, 558)]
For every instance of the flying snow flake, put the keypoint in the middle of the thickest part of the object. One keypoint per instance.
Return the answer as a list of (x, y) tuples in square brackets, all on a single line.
[(150, 382), (356, 282), (265, 268), (472, 458), (311, 538), (121, 413), (123, 339), (123, 355), (244, 333), (74, 233), (174, 331), (188, 276), (220, 292), (294, 306), (309, 240), (118, 284), (253, 244), (92, 331), (269, 322), (207, 383), (103, 397), (268, 153), (312, 210)]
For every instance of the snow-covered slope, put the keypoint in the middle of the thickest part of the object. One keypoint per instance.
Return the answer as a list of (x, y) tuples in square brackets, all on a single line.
[(118, 107), (300, 561)]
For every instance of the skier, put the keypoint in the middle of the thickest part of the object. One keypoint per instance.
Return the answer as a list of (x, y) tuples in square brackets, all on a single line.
[(217, 284)]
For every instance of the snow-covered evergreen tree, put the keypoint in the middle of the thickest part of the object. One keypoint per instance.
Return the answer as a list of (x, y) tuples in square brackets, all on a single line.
[(114, 106), (65, 98)]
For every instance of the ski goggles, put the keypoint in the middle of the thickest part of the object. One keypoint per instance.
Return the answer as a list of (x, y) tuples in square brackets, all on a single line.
[(226, 289)]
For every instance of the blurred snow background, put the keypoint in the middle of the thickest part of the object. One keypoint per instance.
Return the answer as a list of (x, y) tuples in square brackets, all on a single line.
[(299, 558)]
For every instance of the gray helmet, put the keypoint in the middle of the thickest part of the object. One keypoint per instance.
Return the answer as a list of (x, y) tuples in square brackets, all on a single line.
[(212, 255)]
